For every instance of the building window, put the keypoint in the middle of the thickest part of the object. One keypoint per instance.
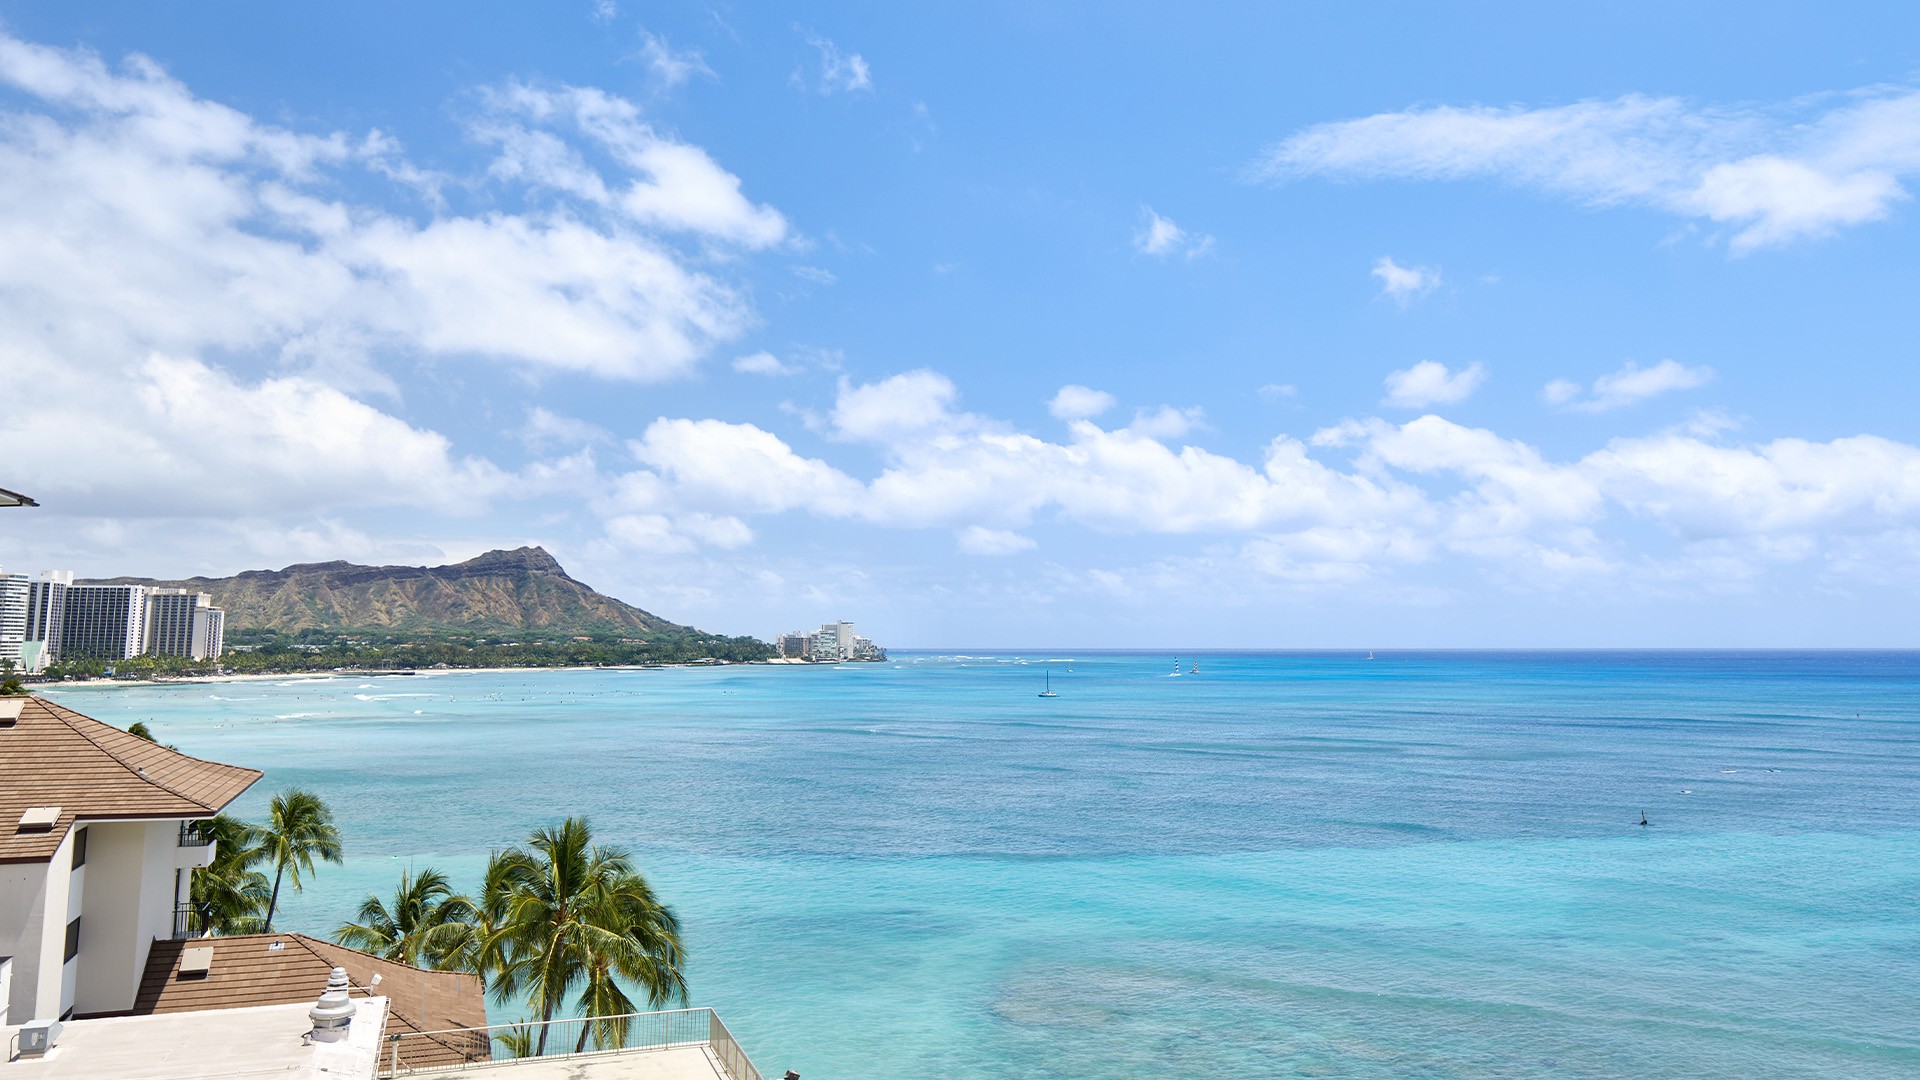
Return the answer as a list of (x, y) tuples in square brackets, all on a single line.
[(79, 848), (73, 939)]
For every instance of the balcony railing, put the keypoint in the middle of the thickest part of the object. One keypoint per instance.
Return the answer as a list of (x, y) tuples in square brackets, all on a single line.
[(196, 833), (413, 1052), (187, 922)]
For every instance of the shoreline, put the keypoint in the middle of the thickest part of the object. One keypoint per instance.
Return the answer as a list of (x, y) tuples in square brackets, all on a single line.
[(319, 676), (408, 673)]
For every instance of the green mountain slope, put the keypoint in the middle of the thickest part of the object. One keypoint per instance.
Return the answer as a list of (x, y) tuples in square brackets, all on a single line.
[(516, 591)]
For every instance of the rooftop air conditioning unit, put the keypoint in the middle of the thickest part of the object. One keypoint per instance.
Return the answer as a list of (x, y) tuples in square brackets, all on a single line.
[(36, 1037)]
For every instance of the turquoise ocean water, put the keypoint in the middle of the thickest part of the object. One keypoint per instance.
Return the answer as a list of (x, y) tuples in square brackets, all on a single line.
[(1287, 865)]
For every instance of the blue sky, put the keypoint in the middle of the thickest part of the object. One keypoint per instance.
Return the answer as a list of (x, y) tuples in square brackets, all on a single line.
[(1099, 325)]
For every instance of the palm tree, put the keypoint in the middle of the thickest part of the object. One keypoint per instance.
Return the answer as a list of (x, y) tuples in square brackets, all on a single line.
[(479, 942), (424, 926), (229, 894), (576, 915), (299, 829), (517, 1041)]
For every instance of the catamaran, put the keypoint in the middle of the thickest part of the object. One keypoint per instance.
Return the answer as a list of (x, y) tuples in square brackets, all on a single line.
[(1048, 692)]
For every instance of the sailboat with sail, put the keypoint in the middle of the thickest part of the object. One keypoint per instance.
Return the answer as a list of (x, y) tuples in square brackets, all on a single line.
[(1048, 692)]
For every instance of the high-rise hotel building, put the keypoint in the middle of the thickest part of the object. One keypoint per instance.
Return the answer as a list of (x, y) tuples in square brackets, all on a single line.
[(107, 622), (50, 618), (13, 620), (46, 618), (180, 623)]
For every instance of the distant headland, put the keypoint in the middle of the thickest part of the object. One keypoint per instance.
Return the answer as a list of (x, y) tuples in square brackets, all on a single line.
[(517, 608)]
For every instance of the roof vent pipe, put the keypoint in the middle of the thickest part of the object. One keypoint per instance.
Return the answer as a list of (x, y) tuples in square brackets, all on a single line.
[(332, 1014)]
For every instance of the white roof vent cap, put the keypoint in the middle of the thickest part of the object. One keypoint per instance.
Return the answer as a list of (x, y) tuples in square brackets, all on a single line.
[(333, 1013), (39, 818)]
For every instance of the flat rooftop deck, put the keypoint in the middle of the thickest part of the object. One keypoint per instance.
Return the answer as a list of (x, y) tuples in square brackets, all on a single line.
[(674, 1063), (267, 1040)]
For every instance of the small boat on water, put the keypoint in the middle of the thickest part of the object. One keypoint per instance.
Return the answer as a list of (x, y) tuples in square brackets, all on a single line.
[(1196, 668), (1048, 692), (1369, 654)]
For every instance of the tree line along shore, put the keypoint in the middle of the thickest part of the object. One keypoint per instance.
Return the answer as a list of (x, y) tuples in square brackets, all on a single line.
[(268, 652)]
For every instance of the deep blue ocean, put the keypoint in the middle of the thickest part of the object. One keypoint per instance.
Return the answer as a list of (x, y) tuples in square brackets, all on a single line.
[(1291, 864)]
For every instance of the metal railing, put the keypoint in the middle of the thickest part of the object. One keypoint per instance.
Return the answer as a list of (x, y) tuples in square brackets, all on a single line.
[(196, 833), (412, 1052), (188, 922)]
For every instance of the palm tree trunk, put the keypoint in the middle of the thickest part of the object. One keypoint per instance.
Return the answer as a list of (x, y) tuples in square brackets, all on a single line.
[(274, 902), (546, 1022)]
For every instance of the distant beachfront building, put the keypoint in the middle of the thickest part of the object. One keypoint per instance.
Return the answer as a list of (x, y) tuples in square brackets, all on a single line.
[(106, 622), (832, 643), (14, 591), (46, 620), (183, 624), (210, 633), (825, 646)]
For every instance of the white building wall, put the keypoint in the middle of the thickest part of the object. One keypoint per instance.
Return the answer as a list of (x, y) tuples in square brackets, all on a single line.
[(129, 903), (209, 633), (33, 910), (23, 910)]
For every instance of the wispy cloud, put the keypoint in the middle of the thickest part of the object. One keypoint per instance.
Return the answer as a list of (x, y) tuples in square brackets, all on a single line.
[(1429, 382), (1629, 385), (1774, 175), (669, 65), (979, 540), (1160, 236), (1075, 402), (764, 363), (1404, 284), (840, 71)]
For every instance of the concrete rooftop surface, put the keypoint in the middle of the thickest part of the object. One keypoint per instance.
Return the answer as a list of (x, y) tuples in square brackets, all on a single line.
[(671, 1063), (267, 1040)]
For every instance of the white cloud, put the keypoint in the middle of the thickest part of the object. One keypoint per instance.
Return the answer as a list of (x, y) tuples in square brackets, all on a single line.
[(1412, 494), (672, 67), (234, 239), (1560, 391), (1076, 402), (840, 72), (1160, 236), (175, 437), (1701, 490), (764, 363), (1278, 391), (605, 11), (545, 429), (974, 540), (1404, 284), (1775, 175), (737, 467), (675, 186), (902, 405), (816, 274), (1166, 422), (1429, 382), (1629, 385)]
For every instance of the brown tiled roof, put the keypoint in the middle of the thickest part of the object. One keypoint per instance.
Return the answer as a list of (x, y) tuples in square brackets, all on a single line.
[(53, 756), (247, 971)]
